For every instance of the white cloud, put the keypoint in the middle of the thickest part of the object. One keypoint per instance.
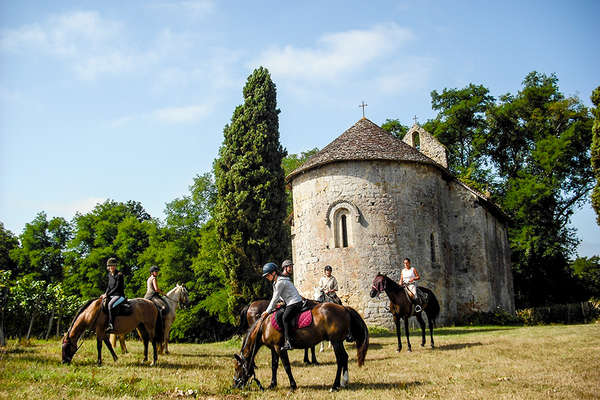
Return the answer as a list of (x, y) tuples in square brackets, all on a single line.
[(410, 73), (197, 8), (182, 114), (335, 54)]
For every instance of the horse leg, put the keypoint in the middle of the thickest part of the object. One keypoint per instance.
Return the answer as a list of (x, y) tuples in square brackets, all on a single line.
[(146, 339), (407, 334), (398, 332), (430, 323), (274, 365), (122, 343), (322, 348), (314, 356), (306, 360), (154, 351), (341, 358), (422, 325), (110, 348), (99, 347), (288, 369)]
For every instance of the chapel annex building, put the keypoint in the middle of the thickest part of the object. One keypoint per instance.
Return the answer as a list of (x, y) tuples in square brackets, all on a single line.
[(368, 200)]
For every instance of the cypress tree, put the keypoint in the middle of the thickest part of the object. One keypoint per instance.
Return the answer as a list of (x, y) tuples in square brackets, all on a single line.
[(251, 200), (596, 152)]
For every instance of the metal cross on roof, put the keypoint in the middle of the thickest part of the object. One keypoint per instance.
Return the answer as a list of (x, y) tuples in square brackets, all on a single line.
[(415, 118), (363, 105)]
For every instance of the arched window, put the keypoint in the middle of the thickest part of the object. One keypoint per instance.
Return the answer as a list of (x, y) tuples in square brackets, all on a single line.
[(342, 218)]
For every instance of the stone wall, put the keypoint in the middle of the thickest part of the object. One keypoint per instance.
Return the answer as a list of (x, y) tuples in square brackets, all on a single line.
[(394, 210)]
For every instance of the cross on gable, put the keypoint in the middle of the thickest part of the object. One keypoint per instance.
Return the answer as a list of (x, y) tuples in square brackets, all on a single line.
[(415, 119), (363, 105)]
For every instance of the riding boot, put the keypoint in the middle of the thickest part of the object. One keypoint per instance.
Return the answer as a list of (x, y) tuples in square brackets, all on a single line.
[(110, 326), (287, 345)]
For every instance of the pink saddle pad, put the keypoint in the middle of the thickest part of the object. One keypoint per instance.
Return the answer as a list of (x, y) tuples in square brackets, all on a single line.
[(303, 320)]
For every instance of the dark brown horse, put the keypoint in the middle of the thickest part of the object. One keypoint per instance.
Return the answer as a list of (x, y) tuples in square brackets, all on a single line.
[(330, 322), (144, 316), (252, 312), (402, 308)]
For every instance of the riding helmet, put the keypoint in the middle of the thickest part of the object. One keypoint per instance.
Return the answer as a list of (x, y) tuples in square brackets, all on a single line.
[(111, 261), (154, 268), (286, 263), (328, 268), (268, 268)]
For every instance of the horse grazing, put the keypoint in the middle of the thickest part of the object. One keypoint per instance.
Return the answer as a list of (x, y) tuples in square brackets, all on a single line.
[(402, 307), (329, 322), (178, 296), (252, 312), (144, 316)]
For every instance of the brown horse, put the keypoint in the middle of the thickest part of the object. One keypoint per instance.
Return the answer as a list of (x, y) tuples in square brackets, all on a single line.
[(144, 316), (252, 312), (402, 308), (330, 322)]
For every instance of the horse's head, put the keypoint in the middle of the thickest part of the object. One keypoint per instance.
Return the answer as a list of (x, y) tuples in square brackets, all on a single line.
[(244, 370), (378, 285), (68, 349), (183, 297)]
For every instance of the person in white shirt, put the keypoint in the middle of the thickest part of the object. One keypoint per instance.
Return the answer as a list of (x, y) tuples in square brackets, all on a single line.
[(329, 286), (408, 280)]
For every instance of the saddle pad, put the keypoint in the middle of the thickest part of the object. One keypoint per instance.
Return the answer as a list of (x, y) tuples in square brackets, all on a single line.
[(303, 320)]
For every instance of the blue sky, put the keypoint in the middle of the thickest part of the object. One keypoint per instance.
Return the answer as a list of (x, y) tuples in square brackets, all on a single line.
[(127, 100)]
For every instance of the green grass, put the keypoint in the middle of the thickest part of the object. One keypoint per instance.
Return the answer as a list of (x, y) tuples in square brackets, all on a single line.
[(541, 362)]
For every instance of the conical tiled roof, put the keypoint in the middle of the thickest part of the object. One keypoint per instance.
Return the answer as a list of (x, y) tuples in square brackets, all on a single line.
[(364, 141)]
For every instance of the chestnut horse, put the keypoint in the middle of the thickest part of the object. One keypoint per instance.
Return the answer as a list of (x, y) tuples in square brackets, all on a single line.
[(330, 322), (252, 312), (144, 316), (402, 308)]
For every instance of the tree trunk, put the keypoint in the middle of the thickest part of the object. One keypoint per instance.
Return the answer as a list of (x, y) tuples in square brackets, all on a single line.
[(2, 339), (49, 325), (58, 327), (30, 326)]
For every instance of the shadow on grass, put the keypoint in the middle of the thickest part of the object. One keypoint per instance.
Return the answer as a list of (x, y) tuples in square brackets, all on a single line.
[(354, 386), (457, 346), (463, 331)]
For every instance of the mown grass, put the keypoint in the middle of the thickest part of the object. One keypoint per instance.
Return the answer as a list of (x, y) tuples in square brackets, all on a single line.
[(541, 362)]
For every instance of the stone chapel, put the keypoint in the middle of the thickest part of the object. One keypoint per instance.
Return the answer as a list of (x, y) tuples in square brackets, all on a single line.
[(368, 200)]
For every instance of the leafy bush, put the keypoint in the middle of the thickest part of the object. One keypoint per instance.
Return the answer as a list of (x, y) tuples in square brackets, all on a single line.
[(497, 317), (561, 313)]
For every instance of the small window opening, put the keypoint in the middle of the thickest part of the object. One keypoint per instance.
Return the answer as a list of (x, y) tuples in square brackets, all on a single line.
[(344, 232), (417, 141), (432, 245)]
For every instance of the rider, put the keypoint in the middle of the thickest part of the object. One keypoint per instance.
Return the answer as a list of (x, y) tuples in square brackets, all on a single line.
[(153, 291), (408, 280), (329, 286), (115, 291), (284, 289)]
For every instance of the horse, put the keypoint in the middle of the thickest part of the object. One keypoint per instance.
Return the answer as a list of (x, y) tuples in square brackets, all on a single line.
[(144, 316), (252, 312), (178, 296), (401, 307), (330, 322)]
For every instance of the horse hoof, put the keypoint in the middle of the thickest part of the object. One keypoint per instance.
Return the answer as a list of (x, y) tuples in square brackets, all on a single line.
[(398, 350), (409, 350), (272, 386), (334, 389), (422, 344)]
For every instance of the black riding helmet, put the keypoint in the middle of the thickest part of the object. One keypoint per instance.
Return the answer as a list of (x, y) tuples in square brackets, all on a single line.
[(328, 268), (154, 268)]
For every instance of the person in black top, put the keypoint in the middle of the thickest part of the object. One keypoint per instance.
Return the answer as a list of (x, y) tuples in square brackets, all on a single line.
[(115, 291)]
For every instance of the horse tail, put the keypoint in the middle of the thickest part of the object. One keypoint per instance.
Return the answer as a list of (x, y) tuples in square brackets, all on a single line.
[(433, 306), (159, 327), (360, 332), (244, 319)]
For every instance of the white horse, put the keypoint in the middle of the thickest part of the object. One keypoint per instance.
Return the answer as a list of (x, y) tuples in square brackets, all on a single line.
[(174, 297)]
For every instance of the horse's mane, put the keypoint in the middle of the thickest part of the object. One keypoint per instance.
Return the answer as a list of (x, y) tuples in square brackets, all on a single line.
[(389, 281), (81, 309)]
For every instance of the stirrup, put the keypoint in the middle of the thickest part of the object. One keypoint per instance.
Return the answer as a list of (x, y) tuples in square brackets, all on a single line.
[(418, 308), (109, 328), (287, 346)]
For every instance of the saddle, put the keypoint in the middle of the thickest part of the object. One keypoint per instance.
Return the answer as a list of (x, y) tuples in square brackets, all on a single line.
[(302, 320), (124, 308)]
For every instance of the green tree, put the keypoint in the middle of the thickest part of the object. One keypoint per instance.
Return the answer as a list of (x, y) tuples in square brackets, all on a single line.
[(28, 299), (8, 242), (588, 271), (538, 144), (394, 127), (4, 290), (595, 149), (111, 229), (43, 244), (251, 201), (290, 163)]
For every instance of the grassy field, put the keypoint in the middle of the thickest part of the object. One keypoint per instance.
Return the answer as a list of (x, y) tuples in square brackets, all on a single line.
[(542, 362)]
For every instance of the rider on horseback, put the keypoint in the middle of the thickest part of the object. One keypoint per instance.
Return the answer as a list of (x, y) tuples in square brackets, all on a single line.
[(409, 277), (329, 286), (284, 289), (154, 292), (115, 291)]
